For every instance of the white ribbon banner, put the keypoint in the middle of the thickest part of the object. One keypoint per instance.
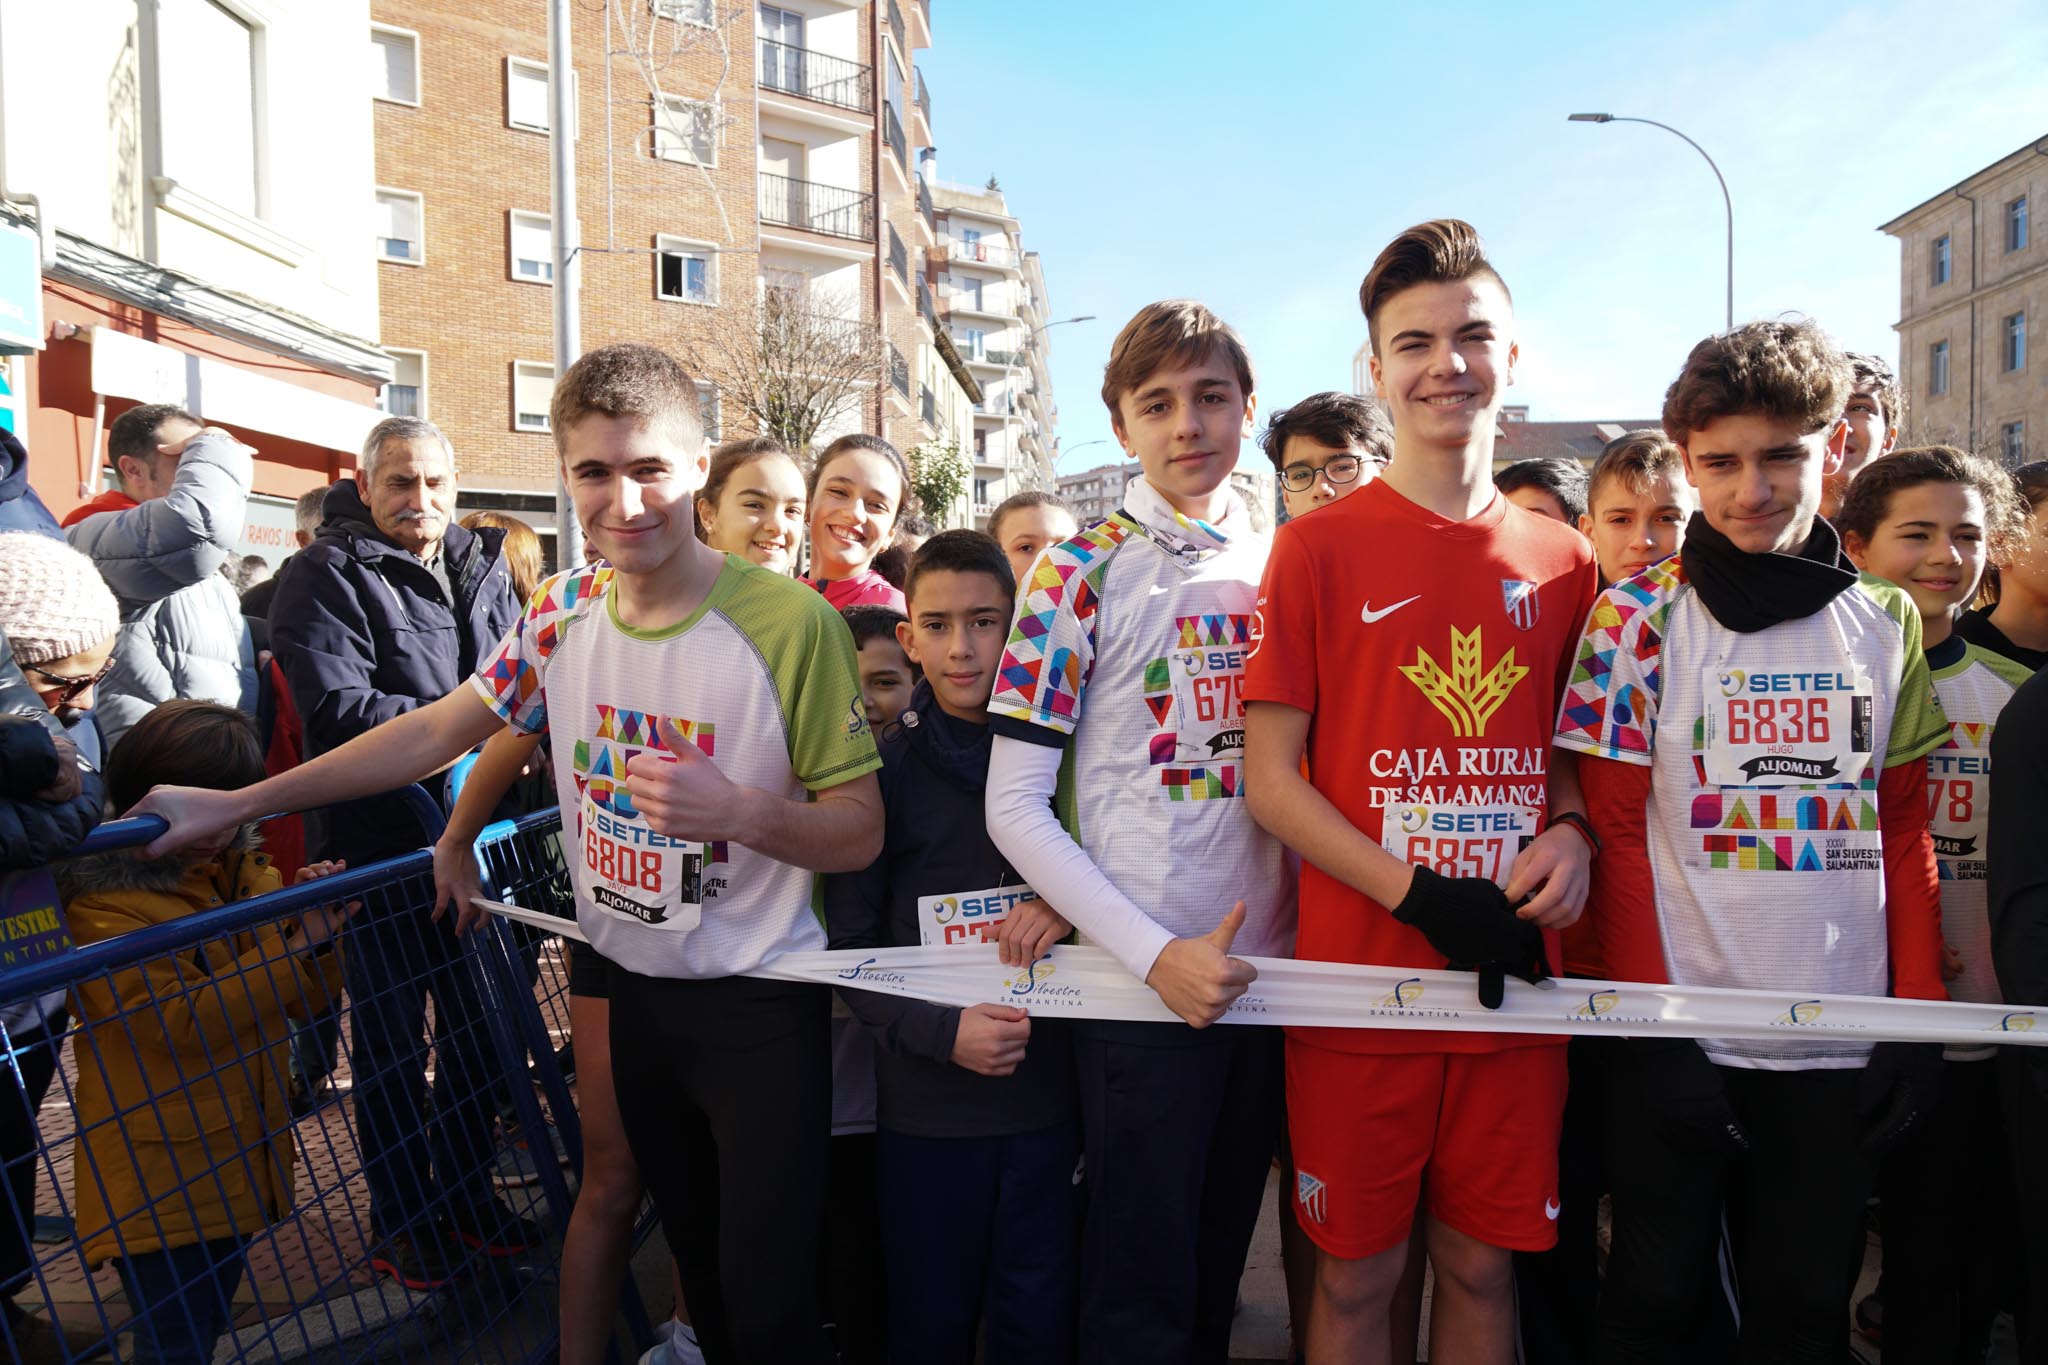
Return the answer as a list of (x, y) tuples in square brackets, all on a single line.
[(1087, 983)]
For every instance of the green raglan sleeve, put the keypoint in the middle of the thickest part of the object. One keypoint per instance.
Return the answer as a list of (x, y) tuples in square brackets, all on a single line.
[(818, 680), (1919, 726)]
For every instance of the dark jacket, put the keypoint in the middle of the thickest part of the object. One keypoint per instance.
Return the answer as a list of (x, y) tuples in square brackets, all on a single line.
[(364, 633), (34, 832), (20, 508), (2018, 887), (934, 770)]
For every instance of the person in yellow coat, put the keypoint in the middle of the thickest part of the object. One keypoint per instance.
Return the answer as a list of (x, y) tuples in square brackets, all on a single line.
[(185, 1135)]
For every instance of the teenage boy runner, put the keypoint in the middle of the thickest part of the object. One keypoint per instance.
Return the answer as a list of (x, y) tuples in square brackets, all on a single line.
[(1113, 781), (1637, 504), (708, 738), (1421, 681), (979, 1134), (1755, 721)]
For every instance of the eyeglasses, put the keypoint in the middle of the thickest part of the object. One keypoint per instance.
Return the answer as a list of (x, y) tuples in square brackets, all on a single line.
[(1299, 478), (68, 688)]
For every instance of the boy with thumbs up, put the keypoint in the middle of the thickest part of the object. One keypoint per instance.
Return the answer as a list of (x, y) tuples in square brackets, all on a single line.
[(977, 1136), (1115, 788)]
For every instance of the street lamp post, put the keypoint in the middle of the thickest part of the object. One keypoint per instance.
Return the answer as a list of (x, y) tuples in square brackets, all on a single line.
[(1010, 370), (1726, 201)]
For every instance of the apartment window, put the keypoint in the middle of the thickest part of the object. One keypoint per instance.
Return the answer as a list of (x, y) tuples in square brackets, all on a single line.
[(974, 342), (981, 444), (1937, 368), (207, 56), (406, 394), (2013, 343), (401, 227), (1943, 260), (686, 131), (707, 410), (702, 13), (533, 248), (2012, 443), (533, 388), (970, 290), (394, 65), (526, 95), (2016, 224), (981, 492), (684, 271)]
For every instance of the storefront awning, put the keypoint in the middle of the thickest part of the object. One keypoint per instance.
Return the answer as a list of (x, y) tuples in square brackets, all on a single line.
[(129, 367)]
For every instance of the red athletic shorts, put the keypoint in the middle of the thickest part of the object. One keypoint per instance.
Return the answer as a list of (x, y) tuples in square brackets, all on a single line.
[(1472, 1133)]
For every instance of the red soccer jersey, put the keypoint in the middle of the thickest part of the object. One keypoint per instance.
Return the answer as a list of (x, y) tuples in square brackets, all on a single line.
[(1430, 655)]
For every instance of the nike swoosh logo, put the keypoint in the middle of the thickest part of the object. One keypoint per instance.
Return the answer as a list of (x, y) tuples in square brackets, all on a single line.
[(1551, 1210), (1368, 615)]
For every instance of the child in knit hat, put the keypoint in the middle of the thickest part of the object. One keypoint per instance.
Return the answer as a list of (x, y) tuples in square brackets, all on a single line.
[(59, 619)]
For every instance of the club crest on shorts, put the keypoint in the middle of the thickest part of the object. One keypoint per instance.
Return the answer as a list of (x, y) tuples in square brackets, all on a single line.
[(1312, 1195), (1518, 595)]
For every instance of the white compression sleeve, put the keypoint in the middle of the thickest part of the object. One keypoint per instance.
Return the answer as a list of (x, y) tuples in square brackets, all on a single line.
[(1021, 780)]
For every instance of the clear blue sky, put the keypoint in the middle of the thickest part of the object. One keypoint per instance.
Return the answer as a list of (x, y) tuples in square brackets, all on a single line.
[(1258, 156)]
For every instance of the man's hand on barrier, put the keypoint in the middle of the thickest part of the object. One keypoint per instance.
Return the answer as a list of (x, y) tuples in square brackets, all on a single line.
[(1548, 881), (194, 815), (457, 883), (683, 794), (991, 1038), (320, 924), (1028, 933), (1197, 977)]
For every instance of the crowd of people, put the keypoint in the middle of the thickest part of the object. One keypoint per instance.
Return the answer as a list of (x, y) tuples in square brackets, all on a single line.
[(1747, 704)]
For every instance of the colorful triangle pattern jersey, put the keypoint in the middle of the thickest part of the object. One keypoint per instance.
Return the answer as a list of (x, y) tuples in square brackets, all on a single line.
[(1765, 750), (761, 679)]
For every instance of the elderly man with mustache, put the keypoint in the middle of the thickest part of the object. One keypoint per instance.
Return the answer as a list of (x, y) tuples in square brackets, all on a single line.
[(390, 607)]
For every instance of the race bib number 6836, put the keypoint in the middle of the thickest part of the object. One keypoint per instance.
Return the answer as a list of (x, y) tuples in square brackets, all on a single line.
[(1785, 727)]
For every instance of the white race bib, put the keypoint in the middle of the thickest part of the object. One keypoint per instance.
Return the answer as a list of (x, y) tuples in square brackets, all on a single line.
[(1958, 807), (1460, 841), (968, 916), (630, 871), (1208, 703), (1787, 728)]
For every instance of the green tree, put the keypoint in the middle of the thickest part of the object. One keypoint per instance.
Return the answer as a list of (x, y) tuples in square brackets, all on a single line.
[(938, 475)]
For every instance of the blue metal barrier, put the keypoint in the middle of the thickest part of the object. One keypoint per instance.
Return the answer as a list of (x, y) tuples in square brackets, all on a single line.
[(173, 1122)]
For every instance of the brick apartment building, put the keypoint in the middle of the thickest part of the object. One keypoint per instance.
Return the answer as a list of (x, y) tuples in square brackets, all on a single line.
[(1973, 293), (722, 149)]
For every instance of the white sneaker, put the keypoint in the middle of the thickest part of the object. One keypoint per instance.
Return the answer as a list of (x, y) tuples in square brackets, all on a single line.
[(675, 1344)]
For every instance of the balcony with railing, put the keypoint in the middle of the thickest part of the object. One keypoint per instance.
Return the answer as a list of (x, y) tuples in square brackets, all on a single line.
[(832, 210), (924, 104), (818, 76), (984, 253), (927, 404), (896, 27), (924, 305), (899, 258), (892, 128), (899, 371), (924, 205), (1006, 359)]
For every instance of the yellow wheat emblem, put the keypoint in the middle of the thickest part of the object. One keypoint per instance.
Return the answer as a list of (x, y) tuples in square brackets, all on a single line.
[(1466, 694)]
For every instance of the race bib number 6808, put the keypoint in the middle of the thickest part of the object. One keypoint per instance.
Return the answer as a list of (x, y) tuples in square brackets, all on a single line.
[(633, 872)]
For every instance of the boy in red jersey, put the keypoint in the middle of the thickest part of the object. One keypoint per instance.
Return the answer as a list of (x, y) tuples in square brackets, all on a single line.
[(1424, 705)]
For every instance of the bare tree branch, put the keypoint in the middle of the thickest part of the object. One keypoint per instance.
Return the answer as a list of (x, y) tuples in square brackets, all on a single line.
[(789, 363)]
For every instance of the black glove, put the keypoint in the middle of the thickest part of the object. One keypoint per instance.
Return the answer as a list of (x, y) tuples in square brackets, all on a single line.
[(1468, 920), (1897, 1092), (1684, 1097)]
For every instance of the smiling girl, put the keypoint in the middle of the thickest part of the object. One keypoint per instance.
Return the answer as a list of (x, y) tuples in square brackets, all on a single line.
[(1929, 520), (858, 489), (752, 503)]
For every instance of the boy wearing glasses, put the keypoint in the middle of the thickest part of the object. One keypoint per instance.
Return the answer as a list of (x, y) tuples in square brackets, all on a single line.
[(1326, 446)]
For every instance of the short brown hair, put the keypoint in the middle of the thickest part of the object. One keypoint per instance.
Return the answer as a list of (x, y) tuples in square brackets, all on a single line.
[(188, 743), (629, 380), (1441, 251), (1874, 372), (1331, 419), (1868, 499), (1635, 460), (1170, 332), (1788, 370), (1017, 502)]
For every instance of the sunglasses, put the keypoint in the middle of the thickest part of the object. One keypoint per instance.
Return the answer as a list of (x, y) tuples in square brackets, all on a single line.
[(68, 688)]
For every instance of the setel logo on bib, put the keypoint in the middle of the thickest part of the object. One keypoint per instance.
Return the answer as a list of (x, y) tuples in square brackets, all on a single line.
[(968, 916), (1787, 727)]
